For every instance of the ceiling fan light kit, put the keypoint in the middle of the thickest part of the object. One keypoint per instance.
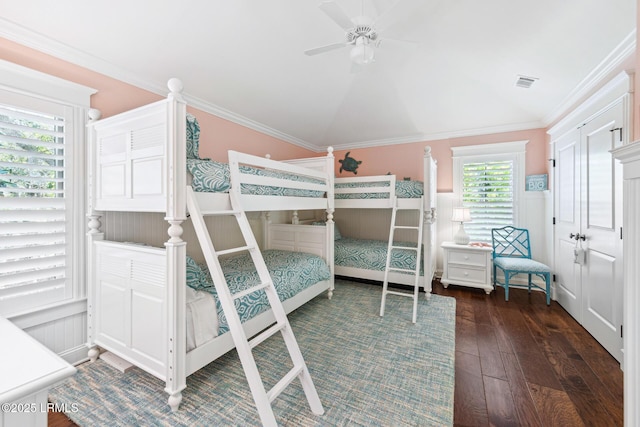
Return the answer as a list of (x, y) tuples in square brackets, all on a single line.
[(361, 34), (362, 53)]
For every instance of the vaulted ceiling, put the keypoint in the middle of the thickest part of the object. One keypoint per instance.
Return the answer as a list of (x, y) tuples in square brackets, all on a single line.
[(442, 68)]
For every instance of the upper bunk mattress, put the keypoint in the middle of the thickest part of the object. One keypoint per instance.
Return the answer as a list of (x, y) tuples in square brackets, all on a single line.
[(404, 190), (214, 177), (291, 272)]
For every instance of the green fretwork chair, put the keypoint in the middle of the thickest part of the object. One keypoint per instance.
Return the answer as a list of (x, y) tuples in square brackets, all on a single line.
[(512, 255)]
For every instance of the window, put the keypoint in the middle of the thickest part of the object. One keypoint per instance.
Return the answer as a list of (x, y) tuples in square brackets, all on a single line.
[(487, 180), (41, 199)]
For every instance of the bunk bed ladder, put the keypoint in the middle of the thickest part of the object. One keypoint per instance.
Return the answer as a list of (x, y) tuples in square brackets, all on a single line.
[(243, 344), (391, 247)]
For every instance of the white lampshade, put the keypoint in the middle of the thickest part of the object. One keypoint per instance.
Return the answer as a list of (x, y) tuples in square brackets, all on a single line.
[(362, 53), (461, 215)]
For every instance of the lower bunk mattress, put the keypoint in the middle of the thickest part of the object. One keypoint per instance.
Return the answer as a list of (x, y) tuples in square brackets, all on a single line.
[(372, 254), (291, 273)]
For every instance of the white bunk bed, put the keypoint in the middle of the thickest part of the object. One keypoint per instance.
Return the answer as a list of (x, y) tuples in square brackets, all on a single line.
[(137, 293), (380, 192)]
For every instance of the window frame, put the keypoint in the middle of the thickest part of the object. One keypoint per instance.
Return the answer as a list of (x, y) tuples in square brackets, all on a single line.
[(27, 88), (514, 151)]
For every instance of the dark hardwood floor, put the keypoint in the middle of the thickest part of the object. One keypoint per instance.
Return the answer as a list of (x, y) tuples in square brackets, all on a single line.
[(521, 363)]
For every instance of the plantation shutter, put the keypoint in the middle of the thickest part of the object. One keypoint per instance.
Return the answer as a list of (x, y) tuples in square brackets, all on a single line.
[(34, 206), (488, 191)]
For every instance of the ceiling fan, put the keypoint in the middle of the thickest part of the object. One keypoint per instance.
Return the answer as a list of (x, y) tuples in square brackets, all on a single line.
[(362, 32)]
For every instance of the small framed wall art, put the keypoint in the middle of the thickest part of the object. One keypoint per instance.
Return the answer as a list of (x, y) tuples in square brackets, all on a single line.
[(536, 182)]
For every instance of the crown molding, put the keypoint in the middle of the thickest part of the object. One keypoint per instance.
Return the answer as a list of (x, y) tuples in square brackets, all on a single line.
[(494, 149), (513, 127), (18, 78), (377, 142), (39, 42), (440, 136), (609, 64), (223, 113), (609, 93), (14, 32)]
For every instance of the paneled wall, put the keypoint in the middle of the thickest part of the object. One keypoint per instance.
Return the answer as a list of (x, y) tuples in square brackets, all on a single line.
[(374, 223), (151, 229), (63, 329)]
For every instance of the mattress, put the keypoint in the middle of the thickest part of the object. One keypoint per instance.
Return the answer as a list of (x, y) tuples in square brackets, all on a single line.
[(291, 272), (372, 254), (404, 190), (215, 177)]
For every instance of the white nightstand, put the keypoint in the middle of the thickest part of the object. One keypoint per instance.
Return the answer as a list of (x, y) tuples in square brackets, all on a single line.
[(27, 370), (466, 265)]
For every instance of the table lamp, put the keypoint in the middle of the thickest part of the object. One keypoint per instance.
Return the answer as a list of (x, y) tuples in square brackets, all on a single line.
[(461, 215)]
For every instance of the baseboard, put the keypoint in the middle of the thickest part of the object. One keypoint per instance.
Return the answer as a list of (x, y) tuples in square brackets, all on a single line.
[(75, 355)]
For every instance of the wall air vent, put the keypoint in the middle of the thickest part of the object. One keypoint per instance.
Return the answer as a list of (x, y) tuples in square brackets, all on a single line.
[(525, 82)]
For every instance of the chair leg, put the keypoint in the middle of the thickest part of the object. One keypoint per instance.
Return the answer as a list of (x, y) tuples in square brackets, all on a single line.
[(529, 282), (506, 286), (547, 279), (494, 276)]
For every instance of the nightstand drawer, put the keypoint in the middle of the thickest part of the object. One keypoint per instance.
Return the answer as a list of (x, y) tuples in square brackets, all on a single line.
[(466, 274), (467, 258)]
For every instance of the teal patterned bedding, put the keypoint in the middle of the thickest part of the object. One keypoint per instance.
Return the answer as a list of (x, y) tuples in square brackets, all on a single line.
[(291, 272), (215, 177), (372, 254), (404, 190)]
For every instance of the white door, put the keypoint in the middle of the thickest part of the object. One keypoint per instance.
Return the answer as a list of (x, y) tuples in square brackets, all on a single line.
[(567, 214), (588, 220)]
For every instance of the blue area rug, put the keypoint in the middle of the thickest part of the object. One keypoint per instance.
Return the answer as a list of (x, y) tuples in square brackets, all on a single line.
[(368, 370)]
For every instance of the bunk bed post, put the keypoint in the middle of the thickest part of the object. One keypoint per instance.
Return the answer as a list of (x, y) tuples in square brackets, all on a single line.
[(330, 225), (93, 234), (266, 220), (429, 236), (176, 248), (265, 216)]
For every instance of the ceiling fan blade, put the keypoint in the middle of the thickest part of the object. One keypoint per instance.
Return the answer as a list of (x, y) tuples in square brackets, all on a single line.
[(383, 40), (323, 49), (335, 12), (378, 6), (398, 12)]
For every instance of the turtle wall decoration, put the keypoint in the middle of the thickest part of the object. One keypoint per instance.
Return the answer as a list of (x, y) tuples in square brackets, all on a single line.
[(349, 163)]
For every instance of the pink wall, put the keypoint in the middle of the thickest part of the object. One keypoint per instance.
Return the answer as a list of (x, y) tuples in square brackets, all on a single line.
[(217, 135), (405, 160)]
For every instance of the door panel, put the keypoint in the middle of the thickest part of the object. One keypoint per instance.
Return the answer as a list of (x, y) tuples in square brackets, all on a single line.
[(598, 287), (588, 200), (599, 177), (601, 218), (567, 158), (570, 282), (567, 198)]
